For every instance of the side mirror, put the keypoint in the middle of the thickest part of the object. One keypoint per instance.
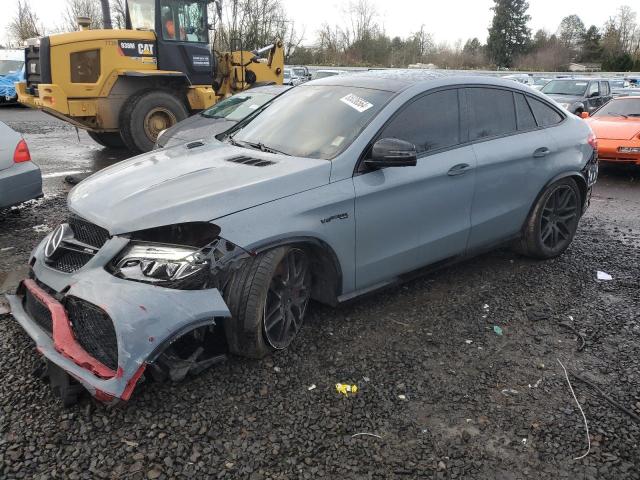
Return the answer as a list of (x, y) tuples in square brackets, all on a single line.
[(595, 94), (392, 152), (584, 115)]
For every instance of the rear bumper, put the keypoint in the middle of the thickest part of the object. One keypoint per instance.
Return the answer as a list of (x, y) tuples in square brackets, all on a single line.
[(20, 183), (145, 318), (608, 151)]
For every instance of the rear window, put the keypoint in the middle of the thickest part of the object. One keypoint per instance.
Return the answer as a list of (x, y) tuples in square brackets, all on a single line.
[(491, 112), (523, 113), (545, 115)]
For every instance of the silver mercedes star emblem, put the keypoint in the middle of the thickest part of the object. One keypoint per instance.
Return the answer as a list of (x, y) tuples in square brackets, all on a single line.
[(55, 240)]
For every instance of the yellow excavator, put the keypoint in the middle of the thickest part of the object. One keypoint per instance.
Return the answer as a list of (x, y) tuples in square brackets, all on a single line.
[(125, 86)]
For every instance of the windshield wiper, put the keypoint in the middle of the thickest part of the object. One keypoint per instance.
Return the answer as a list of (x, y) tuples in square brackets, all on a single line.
[(616, 114), (256, 146)]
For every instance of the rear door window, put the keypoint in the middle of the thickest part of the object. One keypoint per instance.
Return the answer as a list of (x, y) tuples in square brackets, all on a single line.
[(525, 118), (431, 122), (593, 91), (604, 88), (545, 115), (491, 112)]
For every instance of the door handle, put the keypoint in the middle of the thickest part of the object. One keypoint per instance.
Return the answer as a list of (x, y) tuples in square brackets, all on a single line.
[(541, 152), (459, 169)]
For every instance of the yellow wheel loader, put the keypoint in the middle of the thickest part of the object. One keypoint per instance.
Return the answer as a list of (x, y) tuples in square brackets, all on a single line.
[(125, 86)]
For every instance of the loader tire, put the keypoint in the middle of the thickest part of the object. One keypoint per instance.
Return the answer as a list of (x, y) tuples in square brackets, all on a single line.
[(108, 139), (145, 115)]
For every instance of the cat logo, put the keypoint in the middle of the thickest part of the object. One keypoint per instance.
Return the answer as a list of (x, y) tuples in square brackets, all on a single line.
[(145, 48)]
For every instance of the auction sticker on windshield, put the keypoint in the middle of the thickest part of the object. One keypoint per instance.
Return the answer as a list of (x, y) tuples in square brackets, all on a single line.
[(354, 101)]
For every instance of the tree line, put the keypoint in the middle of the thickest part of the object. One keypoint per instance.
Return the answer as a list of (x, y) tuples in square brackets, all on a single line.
[(361, 40)]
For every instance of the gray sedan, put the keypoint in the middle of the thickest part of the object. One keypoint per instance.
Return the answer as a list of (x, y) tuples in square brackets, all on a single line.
[(219, 118), (338, 187), (20, 178)]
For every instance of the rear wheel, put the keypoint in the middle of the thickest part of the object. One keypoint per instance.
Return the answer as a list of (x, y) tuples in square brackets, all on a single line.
[(146, 115), (553, 222), (108, 139), (267, 297)]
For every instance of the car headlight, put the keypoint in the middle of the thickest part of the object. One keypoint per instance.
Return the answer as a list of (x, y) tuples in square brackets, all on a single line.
[(565, 105), (166, 265)]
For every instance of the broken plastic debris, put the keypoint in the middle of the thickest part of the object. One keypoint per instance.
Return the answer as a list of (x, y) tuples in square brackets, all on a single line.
[(468, 342), (485, 306), (402, 397), (497, 330), (603, 276), (311, 387), (509, 391), (346, 389), (276, 369), (536, 385), (366, 379)]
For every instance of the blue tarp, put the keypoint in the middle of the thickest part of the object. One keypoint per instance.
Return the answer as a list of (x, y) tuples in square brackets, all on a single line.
[(7, 83)]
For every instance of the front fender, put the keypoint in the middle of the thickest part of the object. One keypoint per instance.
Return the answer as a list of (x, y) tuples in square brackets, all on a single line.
[(324, 214)]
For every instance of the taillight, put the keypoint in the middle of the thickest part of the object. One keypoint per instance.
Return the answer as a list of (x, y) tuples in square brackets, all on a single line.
[(21, 153), (593, 141)]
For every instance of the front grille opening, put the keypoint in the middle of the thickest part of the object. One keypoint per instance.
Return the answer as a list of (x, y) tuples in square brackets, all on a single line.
[(254, 162), (93, 330), (38, 311), (70, 261), (87, 232)]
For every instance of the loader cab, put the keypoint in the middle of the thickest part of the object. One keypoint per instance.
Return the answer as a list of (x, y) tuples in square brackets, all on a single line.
[(182, 35)]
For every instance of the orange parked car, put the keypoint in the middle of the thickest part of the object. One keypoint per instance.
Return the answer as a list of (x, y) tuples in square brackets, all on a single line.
[(617, 128)]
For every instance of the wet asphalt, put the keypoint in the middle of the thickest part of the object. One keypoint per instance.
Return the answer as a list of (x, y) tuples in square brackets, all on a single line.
[(442, 393)]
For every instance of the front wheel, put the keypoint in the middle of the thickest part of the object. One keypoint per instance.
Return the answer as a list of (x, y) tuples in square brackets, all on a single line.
[(146, 115), (553, 222), (268, 297)]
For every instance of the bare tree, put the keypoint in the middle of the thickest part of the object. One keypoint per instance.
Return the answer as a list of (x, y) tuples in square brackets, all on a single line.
[(82, 8), (25, 24), (119, 13)]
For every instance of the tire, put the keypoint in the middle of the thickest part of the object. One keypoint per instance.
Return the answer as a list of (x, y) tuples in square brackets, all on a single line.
[(251, 297), (145, 115), (108, 139), (553, 222)]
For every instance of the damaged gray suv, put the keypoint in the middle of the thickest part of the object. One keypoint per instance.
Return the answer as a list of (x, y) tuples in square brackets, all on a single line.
[(336, 188)]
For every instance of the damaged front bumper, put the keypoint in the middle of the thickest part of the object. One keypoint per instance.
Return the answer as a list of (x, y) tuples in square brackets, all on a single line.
[(74, 317)]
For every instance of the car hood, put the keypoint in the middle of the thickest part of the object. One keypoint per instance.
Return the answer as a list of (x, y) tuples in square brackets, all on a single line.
[(615, 128), (565, 98), (177, 185), (196, 127)]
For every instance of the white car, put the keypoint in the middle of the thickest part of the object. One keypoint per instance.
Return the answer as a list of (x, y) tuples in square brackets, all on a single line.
[(291, 78)]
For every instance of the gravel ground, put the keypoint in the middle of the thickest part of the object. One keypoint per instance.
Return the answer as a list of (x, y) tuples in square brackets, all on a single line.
[(443, 393)]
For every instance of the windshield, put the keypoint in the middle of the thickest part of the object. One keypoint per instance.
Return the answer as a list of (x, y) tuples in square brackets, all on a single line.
[(142, 14), (541, 81), (315, 121), (565, 87), (183, 21), (287, 73), (299, 72), (10, 66), (238, 106), (623, 107)]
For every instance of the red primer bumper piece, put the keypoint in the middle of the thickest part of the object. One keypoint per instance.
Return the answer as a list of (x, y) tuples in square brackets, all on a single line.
[(63, 338)]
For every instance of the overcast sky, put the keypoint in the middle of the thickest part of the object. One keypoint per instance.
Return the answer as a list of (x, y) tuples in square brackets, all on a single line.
[(447, 20)]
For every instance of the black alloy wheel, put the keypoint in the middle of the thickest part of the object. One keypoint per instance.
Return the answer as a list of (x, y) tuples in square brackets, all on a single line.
[(287, 299), (559, 218)]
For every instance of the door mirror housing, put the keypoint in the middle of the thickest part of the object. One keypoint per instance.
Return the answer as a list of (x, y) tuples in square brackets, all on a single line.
[(392, 152), (584, 115), (594, 94)]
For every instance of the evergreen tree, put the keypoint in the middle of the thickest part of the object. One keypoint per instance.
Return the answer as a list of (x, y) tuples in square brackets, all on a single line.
[(509, 35), (591, 45)]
